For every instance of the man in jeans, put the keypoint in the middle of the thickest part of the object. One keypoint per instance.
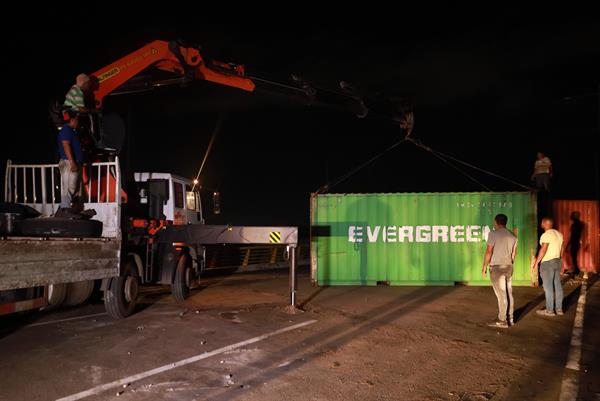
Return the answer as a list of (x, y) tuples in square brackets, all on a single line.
[(550, 254), (500, 255), (71, 159)]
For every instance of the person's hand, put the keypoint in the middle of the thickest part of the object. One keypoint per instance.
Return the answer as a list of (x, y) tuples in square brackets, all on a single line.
[(534, 279), (74, 167), (484, 272)]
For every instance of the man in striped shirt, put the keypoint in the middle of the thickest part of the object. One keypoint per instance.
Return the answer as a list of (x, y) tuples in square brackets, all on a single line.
[(75, 98)]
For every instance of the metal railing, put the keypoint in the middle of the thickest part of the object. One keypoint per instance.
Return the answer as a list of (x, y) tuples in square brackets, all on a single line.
[(39, 186), (19, 173), (28, 183), (107, 172)]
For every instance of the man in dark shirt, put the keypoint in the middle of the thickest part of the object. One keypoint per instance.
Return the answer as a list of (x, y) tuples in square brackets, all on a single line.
[(575, 241), (71, 160)]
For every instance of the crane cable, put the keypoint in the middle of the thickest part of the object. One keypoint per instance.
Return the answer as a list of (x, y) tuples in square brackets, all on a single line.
[(438, 153), (443, 159), (349, 174), (442, 156)]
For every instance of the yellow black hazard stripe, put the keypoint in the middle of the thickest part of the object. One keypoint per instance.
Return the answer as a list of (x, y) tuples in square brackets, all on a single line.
[(275, 237)]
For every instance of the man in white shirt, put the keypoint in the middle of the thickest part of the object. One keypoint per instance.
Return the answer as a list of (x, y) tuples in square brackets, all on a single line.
[(549, 255)]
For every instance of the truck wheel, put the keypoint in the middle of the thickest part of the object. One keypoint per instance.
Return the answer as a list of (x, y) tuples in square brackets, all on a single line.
[(121, 296), (56, 295), (78, 293), (183, 278)]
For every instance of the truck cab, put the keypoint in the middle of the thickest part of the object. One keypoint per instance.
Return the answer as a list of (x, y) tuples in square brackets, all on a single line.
[(178, 203)]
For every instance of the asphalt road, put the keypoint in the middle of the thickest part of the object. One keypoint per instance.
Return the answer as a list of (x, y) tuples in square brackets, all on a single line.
[(235, 340)]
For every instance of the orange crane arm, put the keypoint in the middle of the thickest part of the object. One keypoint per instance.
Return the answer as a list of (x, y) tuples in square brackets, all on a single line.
[(172, 57), (188, 64)]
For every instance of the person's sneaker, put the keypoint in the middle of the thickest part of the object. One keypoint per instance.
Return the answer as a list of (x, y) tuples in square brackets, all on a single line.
[(544, 312), (511, 322), (559, 312), (498, 324)]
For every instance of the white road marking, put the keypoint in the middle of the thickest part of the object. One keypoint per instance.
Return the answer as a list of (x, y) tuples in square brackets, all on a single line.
[(183, 362), (569, 388), (64, 320)]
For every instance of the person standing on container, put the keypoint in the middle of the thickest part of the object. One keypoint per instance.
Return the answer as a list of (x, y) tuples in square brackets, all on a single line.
[(500, 255), (550, 257), (542, 172)]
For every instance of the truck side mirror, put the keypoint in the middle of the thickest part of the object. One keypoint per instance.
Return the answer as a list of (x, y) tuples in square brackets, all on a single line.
[(216, 203)]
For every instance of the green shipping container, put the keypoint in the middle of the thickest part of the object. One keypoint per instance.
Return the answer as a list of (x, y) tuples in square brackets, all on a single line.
[(415, 238)]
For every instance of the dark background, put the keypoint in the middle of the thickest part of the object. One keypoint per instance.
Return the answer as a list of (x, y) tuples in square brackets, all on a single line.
[(488, 89)]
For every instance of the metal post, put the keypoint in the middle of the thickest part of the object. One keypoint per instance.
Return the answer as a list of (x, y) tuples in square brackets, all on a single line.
[(44, 189), (7, 183), (24, 184), (107, 199), (52, 173), (99, 180), (292, 253), (16, 199), (33, 186)]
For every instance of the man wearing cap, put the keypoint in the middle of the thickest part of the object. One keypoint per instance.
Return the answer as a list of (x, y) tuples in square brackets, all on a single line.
[(71, 159)]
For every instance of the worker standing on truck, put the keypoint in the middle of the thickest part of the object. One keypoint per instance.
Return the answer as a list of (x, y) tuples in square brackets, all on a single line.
[(71, 160), (75, 99)]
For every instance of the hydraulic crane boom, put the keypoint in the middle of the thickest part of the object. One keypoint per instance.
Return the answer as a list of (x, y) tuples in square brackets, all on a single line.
[(187, 62)]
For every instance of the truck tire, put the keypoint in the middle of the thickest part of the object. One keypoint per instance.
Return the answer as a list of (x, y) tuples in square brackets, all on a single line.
[(182, 280), (22, 210), (56, 295), (120, 297), (61, 227), (78, 293)]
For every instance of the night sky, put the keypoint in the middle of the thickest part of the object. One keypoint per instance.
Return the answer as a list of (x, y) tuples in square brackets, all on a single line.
[(488, 90)]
